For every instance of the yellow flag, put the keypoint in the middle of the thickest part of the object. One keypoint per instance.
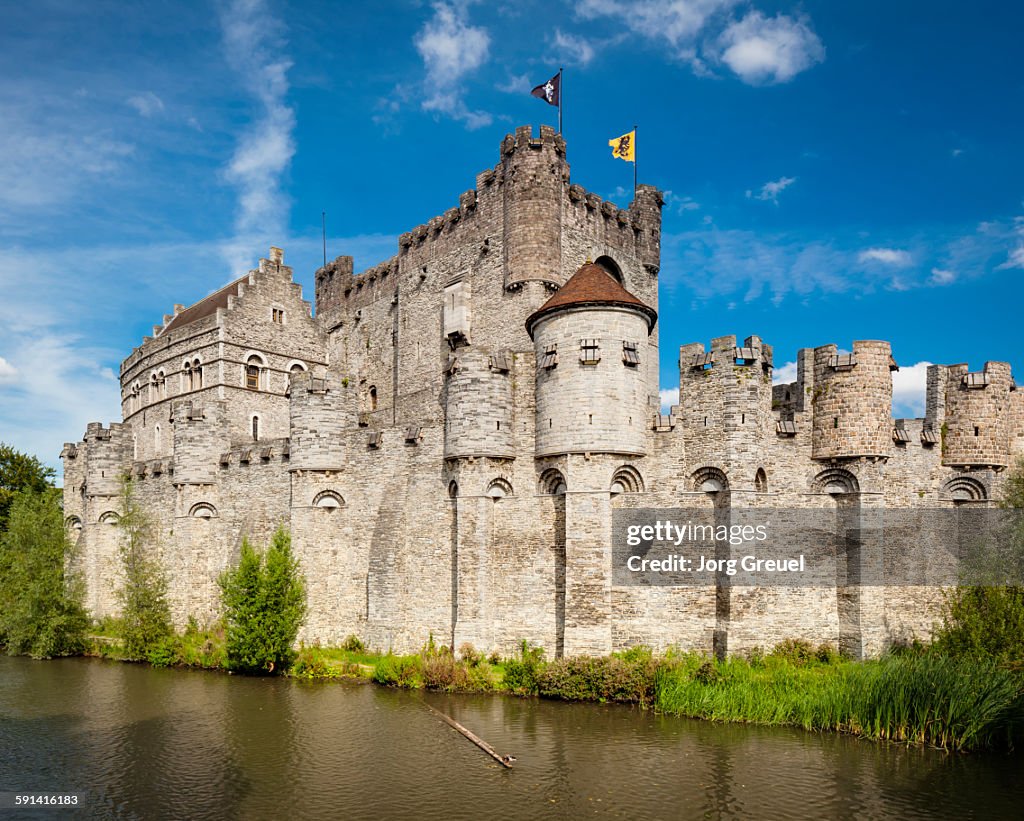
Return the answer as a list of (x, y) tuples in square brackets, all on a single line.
[(624, 147)]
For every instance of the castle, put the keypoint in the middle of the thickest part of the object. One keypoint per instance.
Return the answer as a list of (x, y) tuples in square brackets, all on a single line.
[(448, 437)]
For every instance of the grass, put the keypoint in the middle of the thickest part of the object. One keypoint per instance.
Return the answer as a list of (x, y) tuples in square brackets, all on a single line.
[(923, 698)]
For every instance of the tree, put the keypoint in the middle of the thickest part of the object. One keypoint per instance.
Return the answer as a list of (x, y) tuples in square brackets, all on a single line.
[(41, 612), (19, 471), (145, 614), (265, 604), (986, 618)]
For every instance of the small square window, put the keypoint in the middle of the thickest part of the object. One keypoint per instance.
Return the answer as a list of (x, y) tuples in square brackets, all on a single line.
[(590, 351), (630, 354), (277, 315)]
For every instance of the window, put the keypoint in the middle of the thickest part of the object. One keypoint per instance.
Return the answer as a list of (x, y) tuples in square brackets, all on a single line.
[(252, 373), (197, 374), (157, 440), (630, 354), (549, 358), (277, 316), (373, 398), (255, 428), (590, 351)]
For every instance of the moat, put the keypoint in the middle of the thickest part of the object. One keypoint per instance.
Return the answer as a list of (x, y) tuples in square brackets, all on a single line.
[(140, 742)]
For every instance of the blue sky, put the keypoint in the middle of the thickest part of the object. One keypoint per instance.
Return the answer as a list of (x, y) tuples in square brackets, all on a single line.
[(834, 171)]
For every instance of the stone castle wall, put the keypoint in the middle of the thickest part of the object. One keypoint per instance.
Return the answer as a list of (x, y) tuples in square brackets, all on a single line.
[(438, 478)]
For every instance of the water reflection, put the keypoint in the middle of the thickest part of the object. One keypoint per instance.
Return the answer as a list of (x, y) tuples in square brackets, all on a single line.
[(147, 743)]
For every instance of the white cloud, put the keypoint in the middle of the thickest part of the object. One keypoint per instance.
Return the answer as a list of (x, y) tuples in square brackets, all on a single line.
[(764, 50), (785, 374), (908, 390), (147, 103), (676, 21), (516, 84), (956, 152), (669, 397), (8, 373), (886, 256), (942, 276), (265, 149), (680, 204), (451, 49), (573, 49), (1015, 259), (770, 190)]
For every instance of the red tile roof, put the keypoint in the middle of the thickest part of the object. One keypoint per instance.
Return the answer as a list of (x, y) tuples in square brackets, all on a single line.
[(590, 285), (207, 306)]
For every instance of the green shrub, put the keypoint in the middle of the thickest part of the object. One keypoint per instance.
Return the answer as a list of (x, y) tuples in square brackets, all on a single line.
[(264, 605), (353, 645), (521, 674), (41, 611), (310, 663), (606, 678), (796, 651), (164, 653), (983, 622), (399, 671)]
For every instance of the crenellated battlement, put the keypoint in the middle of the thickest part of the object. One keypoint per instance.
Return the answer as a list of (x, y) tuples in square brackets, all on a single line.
[(519, 210)]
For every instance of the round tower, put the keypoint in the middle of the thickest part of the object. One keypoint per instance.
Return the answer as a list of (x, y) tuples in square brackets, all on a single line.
[(321, 409), (976, 429), (479, 405), (852, 401), (534, 174), (592, 392)]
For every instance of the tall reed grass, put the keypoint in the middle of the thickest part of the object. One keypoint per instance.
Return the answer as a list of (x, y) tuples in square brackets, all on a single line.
[(924, 698)]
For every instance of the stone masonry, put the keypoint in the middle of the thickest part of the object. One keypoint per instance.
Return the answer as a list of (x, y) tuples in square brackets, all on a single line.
[(447, 438)]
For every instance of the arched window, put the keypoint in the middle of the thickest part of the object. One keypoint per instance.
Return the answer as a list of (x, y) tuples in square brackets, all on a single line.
[(499, 489), (73, 527), (203, 510), (109, 518), (453, 489), (835, 482), (297, 367), (158, 442), (161, 381), (964, 489), (761, 481), (710, 480), (197, 375), (255, 427), (552, 482), (611, 266), (254, 366), (373, 397), (626, 479), (328, 500)]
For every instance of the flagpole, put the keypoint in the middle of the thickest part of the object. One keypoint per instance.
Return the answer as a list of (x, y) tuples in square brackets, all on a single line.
[(561, 92), (634, 163)]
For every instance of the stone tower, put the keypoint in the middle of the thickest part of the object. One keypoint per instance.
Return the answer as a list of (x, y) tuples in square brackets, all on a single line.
[(852, 401), (592, 395)]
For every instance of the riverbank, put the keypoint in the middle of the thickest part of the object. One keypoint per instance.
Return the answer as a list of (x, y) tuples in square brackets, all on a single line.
[(917, 696)]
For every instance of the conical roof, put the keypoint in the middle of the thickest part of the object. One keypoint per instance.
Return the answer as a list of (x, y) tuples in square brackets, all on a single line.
[(591, 285)]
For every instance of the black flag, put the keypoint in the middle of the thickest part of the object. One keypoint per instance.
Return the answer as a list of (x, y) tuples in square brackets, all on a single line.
[(551, 91)]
